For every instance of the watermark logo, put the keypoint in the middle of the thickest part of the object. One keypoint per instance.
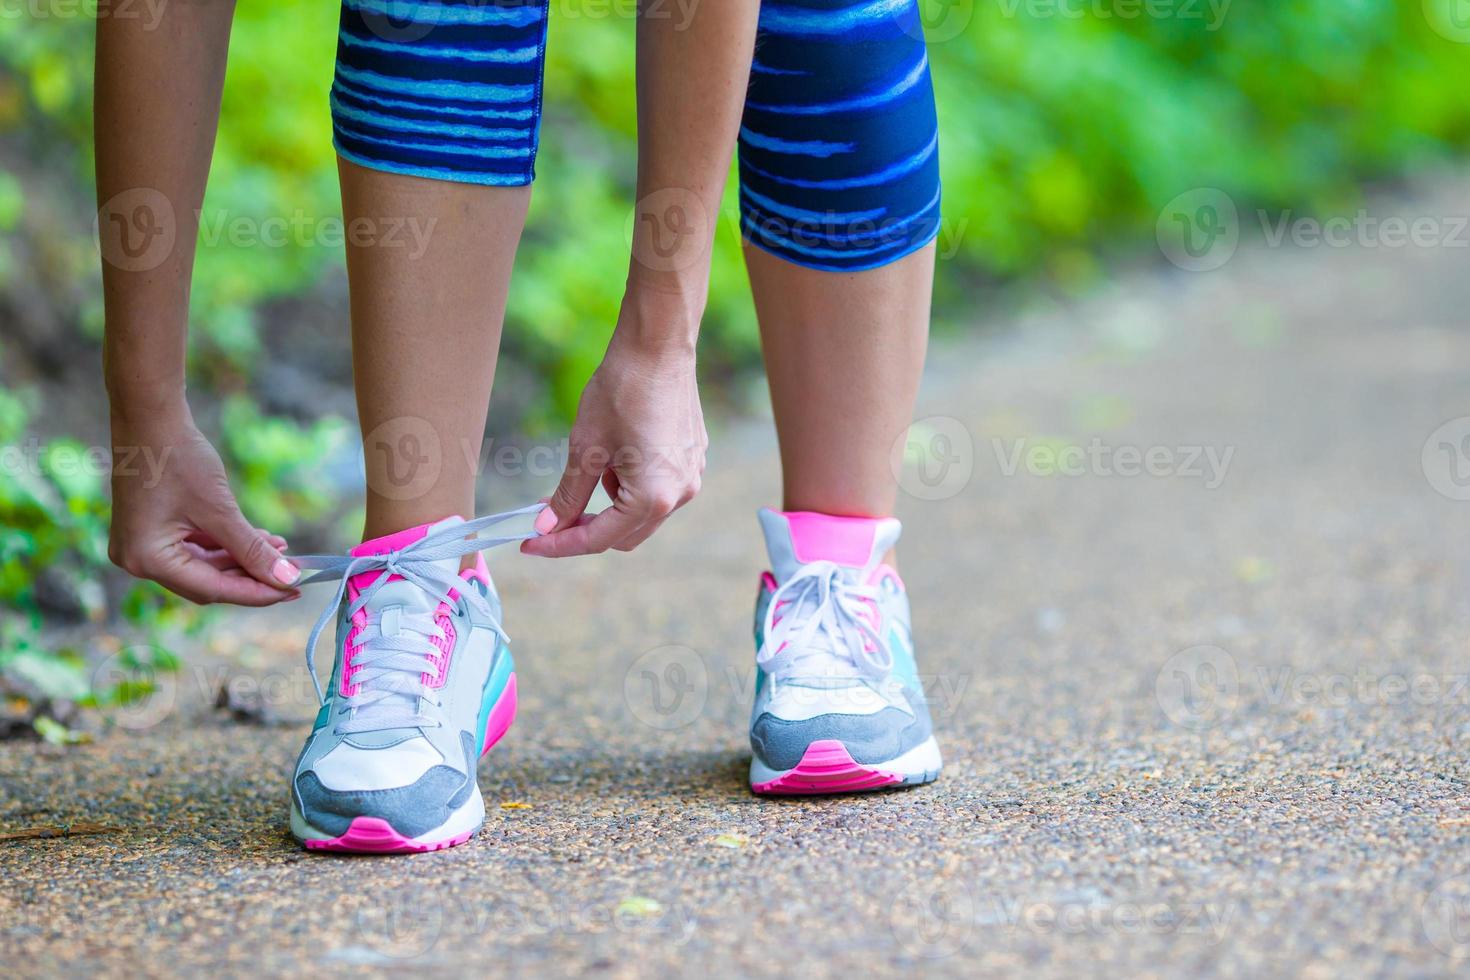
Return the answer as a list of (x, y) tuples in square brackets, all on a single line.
[(143, 683), (401, 20), (1211, 12), (668, 230), (1445, 459), (938, 21), (148, 13), (934, 458), (667, 687), (1199, 230), (933, 919), (1450, 19), (135, 230), (1445, 916), (1199, 687), (1207, 464), (402, 458)]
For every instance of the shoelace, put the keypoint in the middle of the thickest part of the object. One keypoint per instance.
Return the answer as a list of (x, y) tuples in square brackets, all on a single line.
[(392, 668), (823, 626)]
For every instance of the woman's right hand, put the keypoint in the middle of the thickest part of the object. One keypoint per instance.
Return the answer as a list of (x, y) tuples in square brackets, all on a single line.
[(175, 521)]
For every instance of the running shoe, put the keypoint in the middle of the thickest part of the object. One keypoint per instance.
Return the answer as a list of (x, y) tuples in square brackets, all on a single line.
[(422, 686), (839, 706)]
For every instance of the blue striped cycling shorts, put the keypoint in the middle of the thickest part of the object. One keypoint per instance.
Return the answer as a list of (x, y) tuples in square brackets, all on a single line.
[(839, 161)]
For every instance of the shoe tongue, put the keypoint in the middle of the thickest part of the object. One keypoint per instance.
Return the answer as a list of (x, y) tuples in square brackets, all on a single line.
[(797, 538), (398, 591)]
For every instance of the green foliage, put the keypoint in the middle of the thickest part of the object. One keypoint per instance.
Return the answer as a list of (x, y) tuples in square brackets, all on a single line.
[(1060, 135)]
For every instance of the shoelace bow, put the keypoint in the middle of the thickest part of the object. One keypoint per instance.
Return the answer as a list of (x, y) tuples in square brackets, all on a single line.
[(822, 616), (386, 666)]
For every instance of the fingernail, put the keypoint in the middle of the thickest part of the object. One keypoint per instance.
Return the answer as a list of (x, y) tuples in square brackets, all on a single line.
[(545, 521), (285, 572)]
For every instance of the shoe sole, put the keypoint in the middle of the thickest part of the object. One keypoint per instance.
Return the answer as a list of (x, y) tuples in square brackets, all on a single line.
[(373, 835), (828, 768)]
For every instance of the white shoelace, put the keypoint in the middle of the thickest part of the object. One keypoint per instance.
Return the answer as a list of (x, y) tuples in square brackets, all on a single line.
[(388, 670), (823, 629)]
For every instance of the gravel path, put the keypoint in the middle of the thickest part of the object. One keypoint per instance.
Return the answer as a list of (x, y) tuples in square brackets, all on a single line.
[(1207, 719)]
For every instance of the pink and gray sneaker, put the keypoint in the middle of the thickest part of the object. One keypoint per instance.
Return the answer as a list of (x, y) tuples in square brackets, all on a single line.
[(839, 706), (422, 685)]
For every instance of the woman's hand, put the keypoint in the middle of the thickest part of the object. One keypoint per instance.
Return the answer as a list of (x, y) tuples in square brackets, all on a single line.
[(639, 431), (175, 521)]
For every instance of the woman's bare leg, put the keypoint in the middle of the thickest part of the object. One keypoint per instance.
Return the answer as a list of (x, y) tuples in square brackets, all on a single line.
[(429, 267), (844, 352)]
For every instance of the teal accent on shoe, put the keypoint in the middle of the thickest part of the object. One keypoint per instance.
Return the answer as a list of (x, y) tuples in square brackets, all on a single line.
[(905, 668), (500, 673), (322, 716)]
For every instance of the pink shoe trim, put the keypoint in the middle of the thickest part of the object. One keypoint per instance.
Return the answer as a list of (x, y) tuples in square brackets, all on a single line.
[(823, 537), (827, 767), (394, 541), (886, 571), (371, 835), (498, 722)]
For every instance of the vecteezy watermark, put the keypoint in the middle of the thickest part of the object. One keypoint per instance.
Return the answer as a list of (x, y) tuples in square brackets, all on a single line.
[(670, 687), (144, 691), (669, 230), (402, 458), (1211, 12), (148, 12), (1197, 688), (135, 229), (938, 21), (680, 11), (408, 923), (1445, 459), (1450, 19), (1445, 916), (1203, 686), (934, 458), (301, 230), (935, 919), (1208, 464), (1364, 230), (32, 457), (142, 688), (667, 687), (1200, 230)]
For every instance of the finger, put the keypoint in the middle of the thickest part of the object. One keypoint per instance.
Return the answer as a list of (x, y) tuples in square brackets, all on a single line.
[(214, 557), (252, 550), (199, 581), (207, 540), (625, 517), (533, 546), (568, 501), (641, 535)]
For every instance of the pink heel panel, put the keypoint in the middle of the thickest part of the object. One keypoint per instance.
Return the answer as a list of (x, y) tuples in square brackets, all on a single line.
[(823, 537)]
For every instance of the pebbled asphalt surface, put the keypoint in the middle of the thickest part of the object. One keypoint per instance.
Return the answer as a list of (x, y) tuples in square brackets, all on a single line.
[(1210, 720)]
